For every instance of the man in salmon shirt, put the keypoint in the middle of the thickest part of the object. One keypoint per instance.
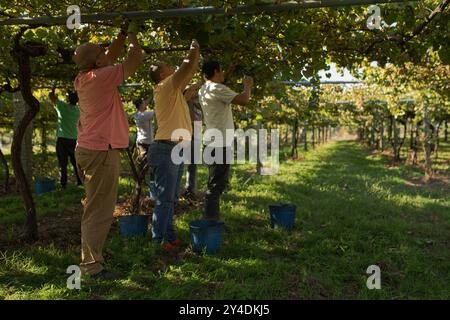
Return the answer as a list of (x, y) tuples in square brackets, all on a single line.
[(172, 113), (102, 132)]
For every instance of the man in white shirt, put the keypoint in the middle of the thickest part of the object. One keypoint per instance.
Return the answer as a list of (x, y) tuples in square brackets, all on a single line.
[(144, 124), (215, 99)]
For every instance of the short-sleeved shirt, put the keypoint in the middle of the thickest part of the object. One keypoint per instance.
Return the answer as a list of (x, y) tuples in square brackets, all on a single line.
[(215, 100), (68, 116), (144, 126), (103, 123), (171, 110)]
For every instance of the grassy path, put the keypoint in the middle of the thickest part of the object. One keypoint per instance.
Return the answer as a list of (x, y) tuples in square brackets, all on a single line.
[(352, 211)]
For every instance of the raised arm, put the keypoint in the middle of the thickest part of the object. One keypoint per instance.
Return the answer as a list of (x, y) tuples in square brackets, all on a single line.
[(188, 68), (135, 56), (190, 92), (116, 47), (244, 98)]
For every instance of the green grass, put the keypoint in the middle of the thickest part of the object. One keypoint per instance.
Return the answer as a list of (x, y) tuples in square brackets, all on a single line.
[(353, 210)]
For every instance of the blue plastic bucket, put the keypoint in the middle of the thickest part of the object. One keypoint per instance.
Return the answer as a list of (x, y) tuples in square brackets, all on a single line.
[(133, 225), (282, 215), (44, 185), (206, 234)]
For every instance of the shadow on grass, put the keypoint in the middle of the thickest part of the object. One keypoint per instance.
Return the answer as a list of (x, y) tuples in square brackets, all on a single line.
[(350, 214)]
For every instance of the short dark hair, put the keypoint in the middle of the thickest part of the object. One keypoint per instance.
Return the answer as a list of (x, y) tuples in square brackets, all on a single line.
[(73, 97), (155, 71), (138, 103), (209, 68)]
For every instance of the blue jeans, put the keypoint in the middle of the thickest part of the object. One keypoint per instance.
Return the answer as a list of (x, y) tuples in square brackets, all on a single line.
[(167, 178)]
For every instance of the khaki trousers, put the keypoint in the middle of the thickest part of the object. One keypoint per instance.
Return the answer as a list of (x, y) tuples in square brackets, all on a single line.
[(99, 172)]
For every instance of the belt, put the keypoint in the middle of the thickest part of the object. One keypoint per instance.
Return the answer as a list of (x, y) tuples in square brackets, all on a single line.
[(170, 142)]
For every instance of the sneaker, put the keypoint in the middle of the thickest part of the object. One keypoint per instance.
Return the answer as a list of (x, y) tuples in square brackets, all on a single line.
[(106, 275)]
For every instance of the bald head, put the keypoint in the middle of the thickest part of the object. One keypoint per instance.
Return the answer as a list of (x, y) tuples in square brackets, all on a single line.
[(88, 56), (160, 70)]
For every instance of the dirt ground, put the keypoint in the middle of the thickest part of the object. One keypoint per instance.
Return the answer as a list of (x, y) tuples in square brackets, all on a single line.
[(63, 229), (440, 179)]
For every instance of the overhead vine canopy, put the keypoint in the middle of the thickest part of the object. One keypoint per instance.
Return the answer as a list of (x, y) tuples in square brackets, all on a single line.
[(285, 45), (279, 43)]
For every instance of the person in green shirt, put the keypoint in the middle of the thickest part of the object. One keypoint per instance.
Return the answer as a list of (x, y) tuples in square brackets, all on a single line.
[(66, 133)]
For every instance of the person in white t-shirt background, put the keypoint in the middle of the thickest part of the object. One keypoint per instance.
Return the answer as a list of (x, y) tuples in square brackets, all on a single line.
[(144, 123), (191, 96), (215, 99)]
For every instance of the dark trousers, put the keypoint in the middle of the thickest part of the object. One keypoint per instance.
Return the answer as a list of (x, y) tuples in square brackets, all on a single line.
[(143, 166), (191, 172), (142, 161), (217, 183), (191, 178), (65, 150)]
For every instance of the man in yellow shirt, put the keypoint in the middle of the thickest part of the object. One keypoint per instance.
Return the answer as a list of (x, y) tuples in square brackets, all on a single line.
[(172, 113)]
